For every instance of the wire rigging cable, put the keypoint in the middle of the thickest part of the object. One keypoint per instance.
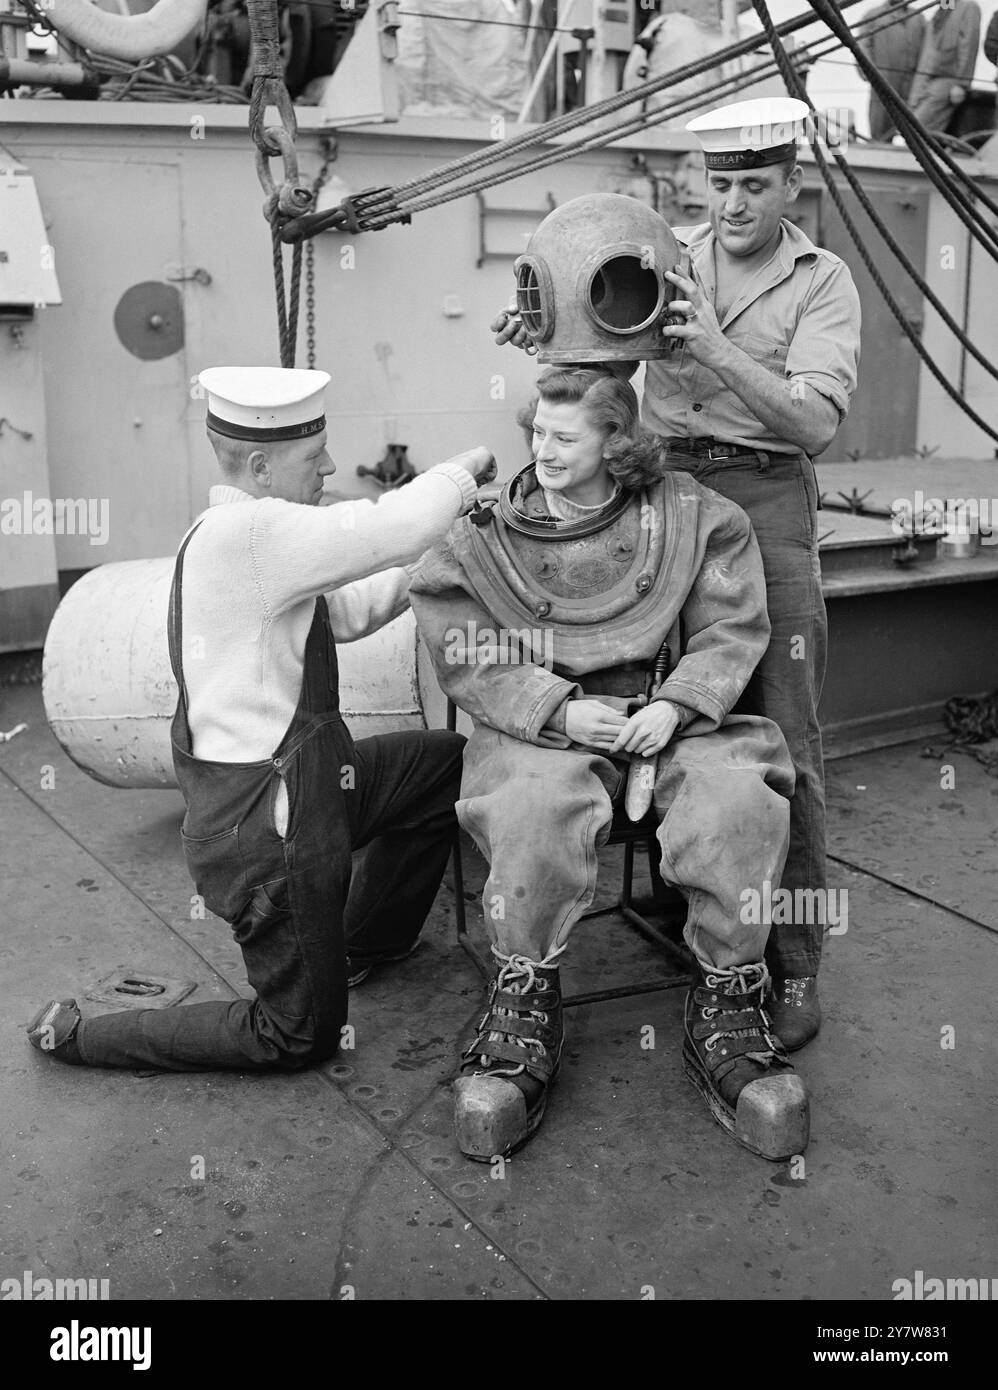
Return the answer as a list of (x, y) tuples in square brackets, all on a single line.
[(356, 215), (795, 86), (722, 89)]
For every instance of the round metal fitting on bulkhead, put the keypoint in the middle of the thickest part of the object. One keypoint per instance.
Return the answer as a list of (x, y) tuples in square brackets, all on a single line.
[(591, 285)]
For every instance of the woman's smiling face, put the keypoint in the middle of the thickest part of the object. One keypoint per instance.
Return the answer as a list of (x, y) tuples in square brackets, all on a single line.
[(568, 453)]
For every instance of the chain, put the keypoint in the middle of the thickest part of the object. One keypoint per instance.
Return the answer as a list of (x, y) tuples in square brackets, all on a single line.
[(329, 153), (310, 302)]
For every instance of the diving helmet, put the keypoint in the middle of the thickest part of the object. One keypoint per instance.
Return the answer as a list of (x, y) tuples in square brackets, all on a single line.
[(590, 286)]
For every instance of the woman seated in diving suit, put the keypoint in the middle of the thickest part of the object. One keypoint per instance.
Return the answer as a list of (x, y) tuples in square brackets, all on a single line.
[(546, 614)]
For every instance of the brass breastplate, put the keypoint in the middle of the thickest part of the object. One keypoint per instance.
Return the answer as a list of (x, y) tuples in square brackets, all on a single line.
[(581, 566)]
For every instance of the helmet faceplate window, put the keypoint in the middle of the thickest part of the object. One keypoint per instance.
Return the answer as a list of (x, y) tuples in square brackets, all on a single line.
[(535, 298), (623, 295)]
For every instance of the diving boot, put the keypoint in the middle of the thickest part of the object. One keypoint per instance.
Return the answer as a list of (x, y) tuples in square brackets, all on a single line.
[(53, 1030), (794, 1010), (501, 1093), (738, 1064)]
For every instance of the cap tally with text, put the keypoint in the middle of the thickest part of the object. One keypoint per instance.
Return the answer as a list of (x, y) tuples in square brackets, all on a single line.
[(265, 403), (750, 134)]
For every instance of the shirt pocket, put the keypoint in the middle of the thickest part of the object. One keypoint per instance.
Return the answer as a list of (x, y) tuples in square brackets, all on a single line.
[(664, 376), (770, 353)]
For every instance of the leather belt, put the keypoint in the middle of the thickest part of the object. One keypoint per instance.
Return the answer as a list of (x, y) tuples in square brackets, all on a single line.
[(711, 448)]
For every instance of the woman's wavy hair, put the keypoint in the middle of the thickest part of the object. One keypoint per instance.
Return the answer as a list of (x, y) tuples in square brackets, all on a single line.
[(633, 456)]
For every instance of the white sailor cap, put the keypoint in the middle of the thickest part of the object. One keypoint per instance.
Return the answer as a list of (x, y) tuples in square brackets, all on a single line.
[(265, 403), (750, 134)]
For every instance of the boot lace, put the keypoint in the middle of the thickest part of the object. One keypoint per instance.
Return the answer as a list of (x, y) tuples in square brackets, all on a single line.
[(517, 975), (740, 979), (793, 992)]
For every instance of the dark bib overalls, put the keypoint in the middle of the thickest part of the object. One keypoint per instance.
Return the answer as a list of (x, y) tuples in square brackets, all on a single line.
[(284, 898)]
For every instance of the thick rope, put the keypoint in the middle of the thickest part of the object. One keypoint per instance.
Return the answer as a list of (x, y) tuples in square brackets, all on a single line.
[(268, 75), (269, 88), (831, 14), (287, 305), (295, 299), (282, 311), (909, 266), (797, 87), (921, 142)]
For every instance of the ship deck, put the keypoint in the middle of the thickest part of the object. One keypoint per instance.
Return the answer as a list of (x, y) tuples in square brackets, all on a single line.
[(344, 1181)]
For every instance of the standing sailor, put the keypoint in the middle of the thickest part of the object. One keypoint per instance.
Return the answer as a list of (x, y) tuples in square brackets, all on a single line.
[(278, 795)]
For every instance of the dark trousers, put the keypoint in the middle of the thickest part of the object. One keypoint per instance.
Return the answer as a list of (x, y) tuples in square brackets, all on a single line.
[(780, 497), (400, 805)]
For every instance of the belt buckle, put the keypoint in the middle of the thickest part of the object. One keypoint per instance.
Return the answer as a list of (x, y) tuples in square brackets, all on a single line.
[(723, 452)]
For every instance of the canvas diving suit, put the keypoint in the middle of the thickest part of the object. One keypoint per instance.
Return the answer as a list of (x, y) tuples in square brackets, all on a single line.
[(589, 604)]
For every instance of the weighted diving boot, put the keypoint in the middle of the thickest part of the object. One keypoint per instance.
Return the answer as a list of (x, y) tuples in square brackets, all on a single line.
[(739, 1065), (502, 1091), (794, 1010)]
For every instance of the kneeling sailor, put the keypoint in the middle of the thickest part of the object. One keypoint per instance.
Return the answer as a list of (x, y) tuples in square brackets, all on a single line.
[(278, 795)]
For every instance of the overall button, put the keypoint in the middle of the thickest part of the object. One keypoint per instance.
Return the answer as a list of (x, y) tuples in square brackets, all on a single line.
[(698, 407)]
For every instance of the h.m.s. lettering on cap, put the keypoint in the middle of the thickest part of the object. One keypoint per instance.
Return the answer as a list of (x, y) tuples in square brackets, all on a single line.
[(265, 403)]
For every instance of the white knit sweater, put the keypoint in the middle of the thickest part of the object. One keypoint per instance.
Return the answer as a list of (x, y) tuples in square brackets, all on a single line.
[(251, 576)]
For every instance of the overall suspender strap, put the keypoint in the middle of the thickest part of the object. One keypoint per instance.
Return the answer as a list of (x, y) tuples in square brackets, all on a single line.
[(175, 618)]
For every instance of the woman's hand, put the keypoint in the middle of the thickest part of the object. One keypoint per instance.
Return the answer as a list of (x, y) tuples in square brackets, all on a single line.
[(647, 732), (592, 723)]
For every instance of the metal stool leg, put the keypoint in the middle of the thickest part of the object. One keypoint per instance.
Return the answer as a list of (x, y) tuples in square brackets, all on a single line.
[(457, 865), (460, 914), (677, 955)]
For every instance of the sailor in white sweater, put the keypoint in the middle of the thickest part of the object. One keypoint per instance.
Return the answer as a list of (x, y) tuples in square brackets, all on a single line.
[(278, 795)]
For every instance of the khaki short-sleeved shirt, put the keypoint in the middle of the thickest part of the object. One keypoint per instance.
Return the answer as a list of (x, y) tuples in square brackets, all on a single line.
[(799, 315)]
